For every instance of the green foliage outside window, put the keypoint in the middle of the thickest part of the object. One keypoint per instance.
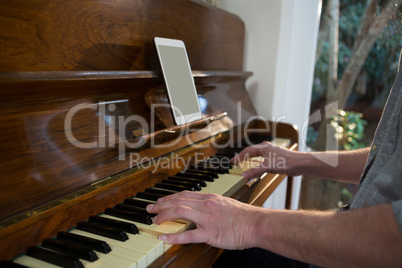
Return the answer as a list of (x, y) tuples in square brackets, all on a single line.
[(349, 130), (381, 63)]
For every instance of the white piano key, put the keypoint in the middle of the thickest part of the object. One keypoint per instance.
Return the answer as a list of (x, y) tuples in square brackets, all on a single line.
[(151, 241), (223, 184), (33, 262), (169, 227), (97, 264), (138, 250), (103, 262), (166, 246), (116, 261)]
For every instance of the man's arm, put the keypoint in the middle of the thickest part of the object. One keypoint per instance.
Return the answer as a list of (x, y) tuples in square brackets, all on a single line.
[(343, 166), (367, 237)]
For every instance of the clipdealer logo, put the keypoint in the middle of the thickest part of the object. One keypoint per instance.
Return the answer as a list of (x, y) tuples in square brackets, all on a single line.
[(112, 130)]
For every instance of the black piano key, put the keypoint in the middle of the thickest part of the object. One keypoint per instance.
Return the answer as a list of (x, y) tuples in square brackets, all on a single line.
[(229, 152), (134, 209), (137, 202), (191, 180), (54, 257), (10, 264), (200, 176), (224, 165), (122, 225), (196, 185), (149, 196), (211, 173), (160, 191), (70, 249), (86, 242), (219, 161), (174, 187), (208, 168), (214, 167), (218, 154), (113, 233), (128, 215)]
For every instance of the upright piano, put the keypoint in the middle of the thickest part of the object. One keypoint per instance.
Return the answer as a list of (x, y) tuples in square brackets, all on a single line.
[(85, 126)]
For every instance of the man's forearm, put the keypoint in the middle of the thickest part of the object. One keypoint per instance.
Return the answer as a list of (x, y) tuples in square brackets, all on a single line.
[(345, 166), (342, 166), (367, 237)]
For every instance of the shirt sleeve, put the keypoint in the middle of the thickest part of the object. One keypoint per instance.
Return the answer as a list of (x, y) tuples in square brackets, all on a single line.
[(397, 209)]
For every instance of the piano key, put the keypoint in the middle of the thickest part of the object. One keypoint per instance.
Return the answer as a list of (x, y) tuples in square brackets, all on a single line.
[(88, 264), (129, 215), (218, 154), (134, 201), (196, 186), (10, 264), (147, 241), (149, 196), (132, 249), (103, 231), (221, 186), (177, 178), (160, 191), (127, 227), (54, 257), (119, 255), (215, 189), (169, 227), (246, 165), (174, 187), (154, 242), (113, 260), (97, 264), (134, 208), (70, 249), (229, 151), (33, 262), (220, 167), (222, 161), (98, 245), (137, 202), (208, 168), (206, 172), (204, 177)]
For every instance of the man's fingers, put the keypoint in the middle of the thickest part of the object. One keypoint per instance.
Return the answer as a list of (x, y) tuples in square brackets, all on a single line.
[(254, 172), (185, 194), (178, 212), (245, 154), (192, 236), (251, 151), (177, 202)]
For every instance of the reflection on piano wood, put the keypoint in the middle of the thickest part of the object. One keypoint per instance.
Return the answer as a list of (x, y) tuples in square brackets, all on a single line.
[(78, 79)]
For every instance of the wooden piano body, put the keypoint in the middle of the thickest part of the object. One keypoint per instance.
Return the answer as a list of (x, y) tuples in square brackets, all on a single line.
[(70, 70)]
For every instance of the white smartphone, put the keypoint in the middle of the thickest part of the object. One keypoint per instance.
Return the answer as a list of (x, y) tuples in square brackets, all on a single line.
[(179, 80)]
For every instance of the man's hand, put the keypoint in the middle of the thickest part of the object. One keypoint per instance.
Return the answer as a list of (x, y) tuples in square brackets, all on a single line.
[(277, 160), (221, 221)]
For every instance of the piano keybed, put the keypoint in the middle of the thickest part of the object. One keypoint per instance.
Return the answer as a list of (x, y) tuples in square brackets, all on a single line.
[(127, 228)]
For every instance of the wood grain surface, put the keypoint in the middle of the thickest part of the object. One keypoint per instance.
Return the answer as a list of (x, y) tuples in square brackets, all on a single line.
[(46, 35)]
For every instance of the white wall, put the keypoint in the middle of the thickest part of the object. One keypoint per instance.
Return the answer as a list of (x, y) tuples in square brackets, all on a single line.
[(280, 48)]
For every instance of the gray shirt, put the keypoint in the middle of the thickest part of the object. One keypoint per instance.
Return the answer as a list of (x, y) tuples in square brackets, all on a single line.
[(381, 181)]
